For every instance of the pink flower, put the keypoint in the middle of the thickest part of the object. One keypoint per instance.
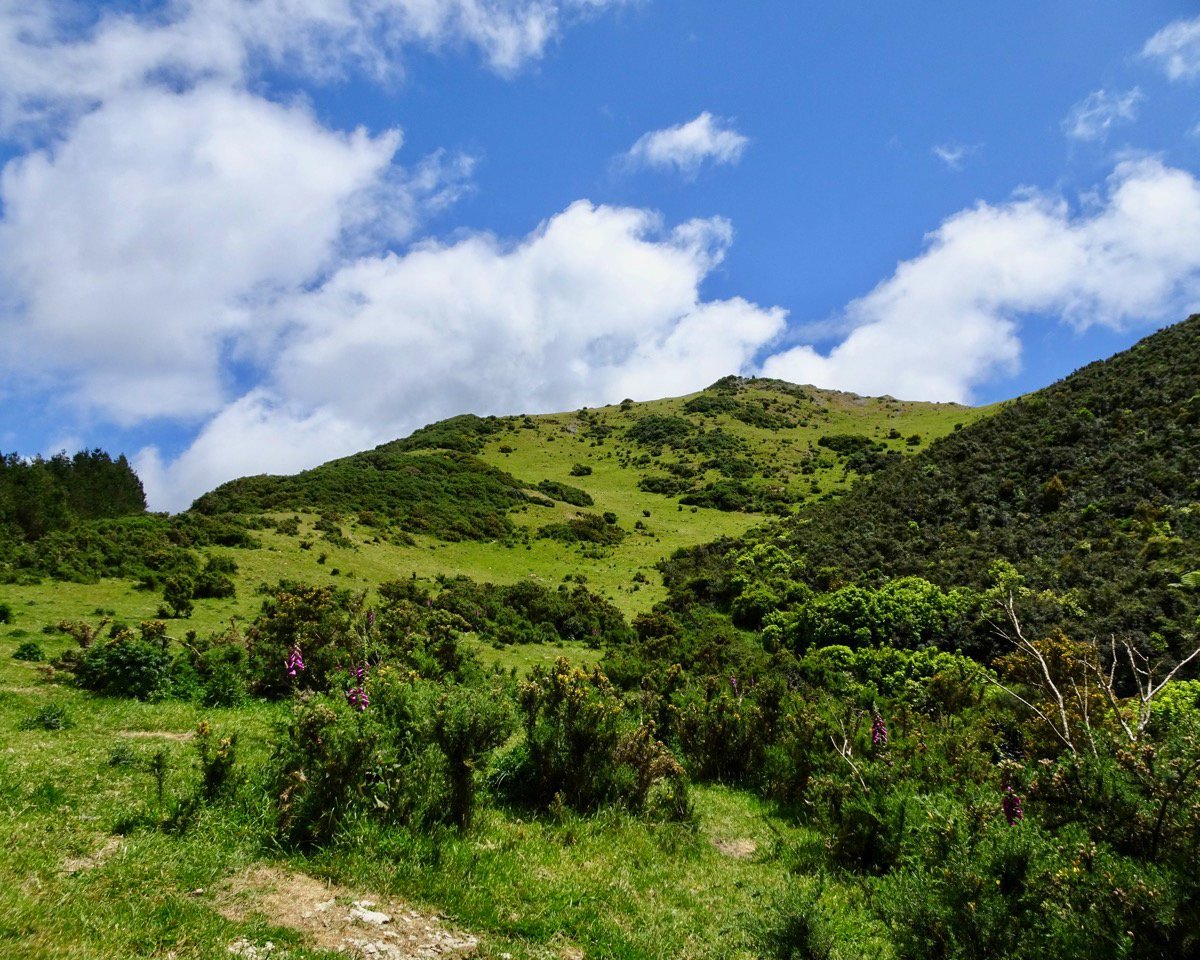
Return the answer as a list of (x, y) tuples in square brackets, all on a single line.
[(1011, 804), (295, 661), (879, 734), (358, 699)]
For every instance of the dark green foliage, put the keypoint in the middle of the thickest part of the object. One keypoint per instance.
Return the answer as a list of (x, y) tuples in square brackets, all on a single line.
[(320, 768), (450, 495), (1115, 531), (566, 493), (738, 495), (655, 430), (50, 716), (667, 486), (40, 496), (220, 665), (467, 725), (581, 470), (583, 747), (527, 612), (6, 614), (318, 620), (30, 651), (148, 548), (125, 666), (177, 594), (715, 442), (335, 762), (466, 434), (757, 415), (217, 757), (215, 580), (909, 612), (708, 404), (584, 528), (702, 575)]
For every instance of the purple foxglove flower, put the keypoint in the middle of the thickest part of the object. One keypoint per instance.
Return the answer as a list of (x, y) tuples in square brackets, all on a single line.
[(1011, 804), (879, 734), (358, 699), (295, 661)]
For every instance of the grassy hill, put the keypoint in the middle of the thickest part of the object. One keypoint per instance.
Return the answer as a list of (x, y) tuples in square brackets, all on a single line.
[(1089, 487), (503, 498)]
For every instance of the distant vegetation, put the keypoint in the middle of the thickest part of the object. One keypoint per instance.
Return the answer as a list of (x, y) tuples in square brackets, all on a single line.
[(449, 495)]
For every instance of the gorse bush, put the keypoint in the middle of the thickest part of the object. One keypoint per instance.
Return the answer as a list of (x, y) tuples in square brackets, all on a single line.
[(126, 664), (583, 745)]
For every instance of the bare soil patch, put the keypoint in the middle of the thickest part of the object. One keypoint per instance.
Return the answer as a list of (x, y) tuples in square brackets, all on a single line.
[(742, 849), (335, 918), (92, 860)]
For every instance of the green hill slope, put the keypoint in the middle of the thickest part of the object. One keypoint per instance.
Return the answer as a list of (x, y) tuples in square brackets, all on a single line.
[(604, 494), (1089, 487)]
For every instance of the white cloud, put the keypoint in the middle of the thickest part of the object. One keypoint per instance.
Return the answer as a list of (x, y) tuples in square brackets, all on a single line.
[(163, 208), (50, 66), (689, 145), (1099, 111), (141, 245), (947, 320), (597, 304), (953, 154), (1176, 47)]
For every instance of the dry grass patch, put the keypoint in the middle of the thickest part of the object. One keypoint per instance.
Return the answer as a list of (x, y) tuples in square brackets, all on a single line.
[(332, 917)]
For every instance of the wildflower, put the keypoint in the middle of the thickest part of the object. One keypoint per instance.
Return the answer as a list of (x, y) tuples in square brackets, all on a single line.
[(370, 619), (733, 683), (1011, 804), (295, 661), (359, 674), (879, 734), (357, 698)]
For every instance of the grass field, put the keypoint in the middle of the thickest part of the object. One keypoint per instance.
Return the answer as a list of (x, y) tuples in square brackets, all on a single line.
[(90, 872)]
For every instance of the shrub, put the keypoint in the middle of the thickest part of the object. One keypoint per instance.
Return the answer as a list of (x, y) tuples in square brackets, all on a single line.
[(30, 651), (585, 528), (6, 613), (217, 757), (177, 594), (124, 666), (467, 725), (582, 748), (566, 493), (52, 716)]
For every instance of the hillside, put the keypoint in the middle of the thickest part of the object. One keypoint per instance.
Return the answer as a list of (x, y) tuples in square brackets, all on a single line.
[(604, 494), (1090, 487)]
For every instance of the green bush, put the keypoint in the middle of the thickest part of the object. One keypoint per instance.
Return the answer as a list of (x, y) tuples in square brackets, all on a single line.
[(51, 716), (467, 725), (30, 651), (583, 748), (124, 666), (566, 493)]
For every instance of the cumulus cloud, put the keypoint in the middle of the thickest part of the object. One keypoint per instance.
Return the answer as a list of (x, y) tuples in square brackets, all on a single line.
[(161, 208), (143, 243), (597, 304), (688, 146), (50, 65), (947, 320), (1176, 48), (1099, 111)]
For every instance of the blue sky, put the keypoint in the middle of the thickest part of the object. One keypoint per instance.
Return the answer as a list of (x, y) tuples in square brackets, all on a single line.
[(243, 236)]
